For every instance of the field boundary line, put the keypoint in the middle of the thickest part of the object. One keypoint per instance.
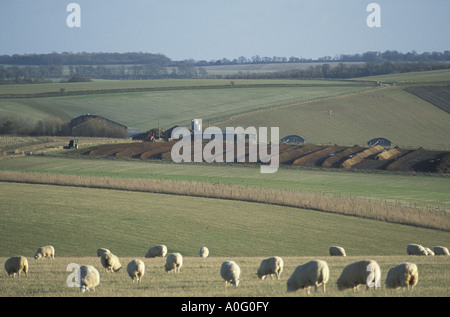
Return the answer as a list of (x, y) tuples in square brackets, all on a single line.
[(168, 88), (318, 99), (438, 219)]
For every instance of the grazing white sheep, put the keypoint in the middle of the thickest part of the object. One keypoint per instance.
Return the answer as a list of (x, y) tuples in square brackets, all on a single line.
[(204, 252), (158, 250), (415, 249), (230, 272), (312, 273), (402, 275), (174, 262), (357, 273), (440, 250), (270, 266), (337, 251), (45, 252), (16, 265), (100, 251), (429, 251), (89, 278), (136, 269), (110, 262)]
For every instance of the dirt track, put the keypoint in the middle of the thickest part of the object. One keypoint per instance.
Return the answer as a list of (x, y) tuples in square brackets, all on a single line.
[(356, 157)]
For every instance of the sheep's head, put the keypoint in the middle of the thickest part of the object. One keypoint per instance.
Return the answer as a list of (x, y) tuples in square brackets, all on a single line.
[(260, 275), (117, 269), (235, 282), (289, 287)]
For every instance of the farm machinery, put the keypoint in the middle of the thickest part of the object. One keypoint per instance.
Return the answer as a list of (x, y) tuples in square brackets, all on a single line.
[(73, 144)]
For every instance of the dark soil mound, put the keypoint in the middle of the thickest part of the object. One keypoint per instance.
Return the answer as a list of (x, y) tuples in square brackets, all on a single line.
[(362, 158)]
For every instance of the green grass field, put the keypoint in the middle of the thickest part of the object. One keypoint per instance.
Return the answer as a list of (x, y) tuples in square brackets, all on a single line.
[(77, 221), (321, 111), (392, 113), (434, 76), (410, 189), (98, 85), (166, 108)]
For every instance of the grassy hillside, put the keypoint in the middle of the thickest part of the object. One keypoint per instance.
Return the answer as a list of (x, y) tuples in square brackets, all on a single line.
[(77, 221), (392, 113), (321, 111), (99, 85), (166, 108), (434, 76), (423, 190)]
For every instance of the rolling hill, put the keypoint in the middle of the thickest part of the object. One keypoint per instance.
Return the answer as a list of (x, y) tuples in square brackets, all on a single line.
[(149, 104), (393, 113), (321, 111)]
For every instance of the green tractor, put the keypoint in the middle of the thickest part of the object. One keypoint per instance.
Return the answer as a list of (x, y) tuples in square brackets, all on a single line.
[(73, 144)]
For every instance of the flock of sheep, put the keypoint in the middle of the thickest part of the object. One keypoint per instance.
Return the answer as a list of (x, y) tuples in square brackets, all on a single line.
[(313, 273)]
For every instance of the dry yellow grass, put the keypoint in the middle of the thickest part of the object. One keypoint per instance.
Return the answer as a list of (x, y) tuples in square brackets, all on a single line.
[(199, 277), (20, 145), (360, 156), (388, 154)]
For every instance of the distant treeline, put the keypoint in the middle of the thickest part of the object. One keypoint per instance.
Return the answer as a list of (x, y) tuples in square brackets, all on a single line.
[(35, 68), (343, 70), (20, 125), (162, 60), (52, 126), (85, 59), (375, 57), (71, 73)]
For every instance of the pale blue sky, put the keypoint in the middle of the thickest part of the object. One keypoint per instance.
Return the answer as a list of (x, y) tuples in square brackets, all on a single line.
[(215, 29)]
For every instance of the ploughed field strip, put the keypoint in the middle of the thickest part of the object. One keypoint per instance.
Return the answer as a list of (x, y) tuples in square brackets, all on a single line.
[(310, 155), (436, 95)]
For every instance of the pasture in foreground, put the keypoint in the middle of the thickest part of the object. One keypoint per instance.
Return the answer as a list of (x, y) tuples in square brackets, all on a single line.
[(200, 277)]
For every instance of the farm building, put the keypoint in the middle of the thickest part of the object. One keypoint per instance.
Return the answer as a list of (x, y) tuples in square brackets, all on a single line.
[(293, 139), (132, 132), (168, 132), (97, 126), (379, 141)]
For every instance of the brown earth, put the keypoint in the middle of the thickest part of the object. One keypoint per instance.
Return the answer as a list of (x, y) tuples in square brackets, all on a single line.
[(338, 158), (313, 159), (355, 157), (436, 95)]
